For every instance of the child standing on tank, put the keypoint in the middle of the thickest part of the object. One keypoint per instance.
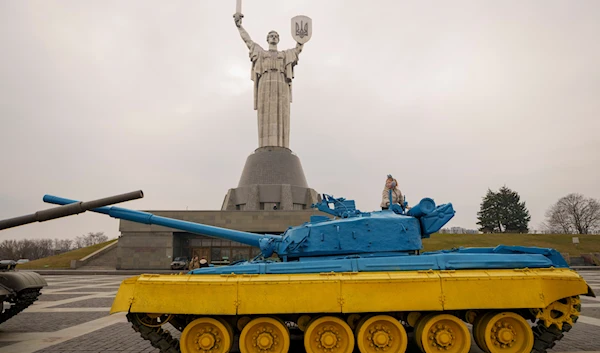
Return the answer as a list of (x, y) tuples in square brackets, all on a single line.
[(391, 184)]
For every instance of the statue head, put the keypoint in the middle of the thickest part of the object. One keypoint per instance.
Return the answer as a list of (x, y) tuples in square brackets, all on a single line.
[(273, 37)]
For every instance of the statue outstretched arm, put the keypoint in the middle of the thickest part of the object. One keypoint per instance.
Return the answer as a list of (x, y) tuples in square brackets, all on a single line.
[(245, 36), (299, 47)]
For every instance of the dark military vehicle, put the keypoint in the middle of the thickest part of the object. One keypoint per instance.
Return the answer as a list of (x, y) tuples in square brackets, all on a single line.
[(19, 289)]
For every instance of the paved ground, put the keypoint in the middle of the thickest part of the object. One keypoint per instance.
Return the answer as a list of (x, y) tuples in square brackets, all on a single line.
[(72, 316)]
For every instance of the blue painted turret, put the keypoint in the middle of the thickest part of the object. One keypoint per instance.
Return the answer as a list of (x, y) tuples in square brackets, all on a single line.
[(353, 241), (350, 232)]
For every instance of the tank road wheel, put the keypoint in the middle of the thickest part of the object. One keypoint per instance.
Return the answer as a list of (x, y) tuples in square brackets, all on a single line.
[(470, 316), (152, 320), (352, 320), (381, 333), (228, 327), (265, 334), (242, 322), (445, 332), (560, 312), (506, 332), (328, 334), (479, 331), (205, 335), (420, 323), (303, 322), (412, 318)]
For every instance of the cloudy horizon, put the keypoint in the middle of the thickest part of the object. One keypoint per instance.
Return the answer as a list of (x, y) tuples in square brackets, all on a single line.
[(104, 97)]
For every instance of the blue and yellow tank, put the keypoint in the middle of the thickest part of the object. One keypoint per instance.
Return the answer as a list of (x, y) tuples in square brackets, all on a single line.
[(355, 281)]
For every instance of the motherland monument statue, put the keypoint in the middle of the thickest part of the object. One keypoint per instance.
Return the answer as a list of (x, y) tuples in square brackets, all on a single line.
[(272, 178), (272, 72)]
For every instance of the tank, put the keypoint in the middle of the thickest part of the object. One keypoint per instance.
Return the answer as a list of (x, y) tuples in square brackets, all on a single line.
[(351, 281), (19, 289)]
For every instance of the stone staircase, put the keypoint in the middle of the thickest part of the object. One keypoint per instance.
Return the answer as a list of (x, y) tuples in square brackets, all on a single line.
[(103, 259)]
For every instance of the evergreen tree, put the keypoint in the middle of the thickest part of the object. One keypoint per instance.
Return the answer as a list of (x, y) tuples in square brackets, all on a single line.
[(487, 214), (503, 211)]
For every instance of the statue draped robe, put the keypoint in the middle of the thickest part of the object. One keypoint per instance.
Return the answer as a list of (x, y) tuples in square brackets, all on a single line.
[(272, 73)]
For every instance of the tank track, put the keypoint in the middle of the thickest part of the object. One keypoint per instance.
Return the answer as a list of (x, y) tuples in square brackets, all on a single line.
[(158, 337), (546, 337), (19, 303)]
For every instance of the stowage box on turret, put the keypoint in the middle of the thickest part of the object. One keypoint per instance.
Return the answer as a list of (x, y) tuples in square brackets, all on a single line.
[(358, 280)]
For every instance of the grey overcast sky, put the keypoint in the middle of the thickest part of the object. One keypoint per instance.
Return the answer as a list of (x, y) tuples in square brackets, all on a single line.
[(103, 97)]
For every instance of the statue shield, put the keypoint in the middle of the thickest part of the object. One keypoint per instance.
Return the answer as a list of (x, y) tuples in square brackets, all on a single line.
[(301, 29)]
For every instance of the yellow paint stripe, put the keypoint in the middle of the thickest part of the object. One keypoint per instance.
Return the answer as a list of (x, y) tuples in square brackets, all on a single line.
[(347, 292)]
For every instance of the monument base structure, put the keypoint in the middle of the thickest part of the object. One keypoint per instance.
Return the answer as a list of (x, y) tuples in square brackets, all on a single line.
[(271, 196), (272, 179)]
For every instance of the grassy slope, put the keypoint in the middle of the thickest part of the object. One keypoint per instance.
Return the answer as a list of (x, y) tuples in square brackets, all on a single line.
[(62, 260), (561, 242)]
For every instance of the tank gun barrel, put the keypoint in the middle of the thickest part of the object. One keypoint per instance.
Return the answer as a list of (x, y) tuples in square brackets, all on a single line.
[(247, 238), (72, 208)]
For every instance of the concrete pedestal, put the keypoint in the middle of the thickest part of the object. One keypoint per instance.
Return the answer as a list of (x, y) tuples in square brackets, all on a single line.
[(272, 179)]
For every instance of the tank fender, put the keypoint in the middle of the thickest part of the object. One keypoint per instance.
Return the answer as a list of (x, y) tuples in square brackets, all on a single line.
[(19, 281), (5, 292), (590, 292), (125, 296)]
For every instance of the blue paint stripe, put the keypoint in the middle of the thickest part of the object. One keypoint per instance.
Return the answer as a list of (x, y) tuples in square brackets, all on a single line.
[(439, 261)]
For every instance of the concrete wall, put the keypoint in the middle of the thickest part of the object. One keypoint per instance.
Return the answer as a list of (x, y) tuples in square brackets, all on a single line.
[(107, 260), (145, 250), (100, 253)]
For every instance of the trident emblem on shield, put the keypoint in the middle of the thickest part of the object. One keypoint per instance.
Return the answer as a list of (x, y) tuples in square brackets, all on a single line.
[(301, 29)]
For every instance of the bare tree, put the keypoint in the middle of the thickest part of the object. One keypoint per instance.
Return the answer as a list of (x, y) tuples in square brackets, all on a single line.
[(66, 244), (34, 249), (8, 250), (90, 239), (41, 248), (574, 213), (558, 220), (79, 242), (97, 238), (62, 245), (25, 249)]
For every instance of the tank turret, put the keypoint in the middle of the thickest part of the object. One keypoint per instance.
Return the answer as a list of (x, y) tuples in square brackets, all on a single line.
[(350, 232), (351, 241)]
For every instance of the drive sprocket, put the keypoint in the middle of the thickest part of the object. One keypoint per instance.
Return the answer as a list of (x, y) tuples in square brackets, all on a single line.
[(553, 322), (560, 312), (158, 337)]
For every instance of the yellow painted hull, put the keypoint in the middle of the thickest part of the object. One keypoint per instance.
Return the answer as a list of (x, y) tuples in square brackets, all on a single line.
[(347, 292)]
